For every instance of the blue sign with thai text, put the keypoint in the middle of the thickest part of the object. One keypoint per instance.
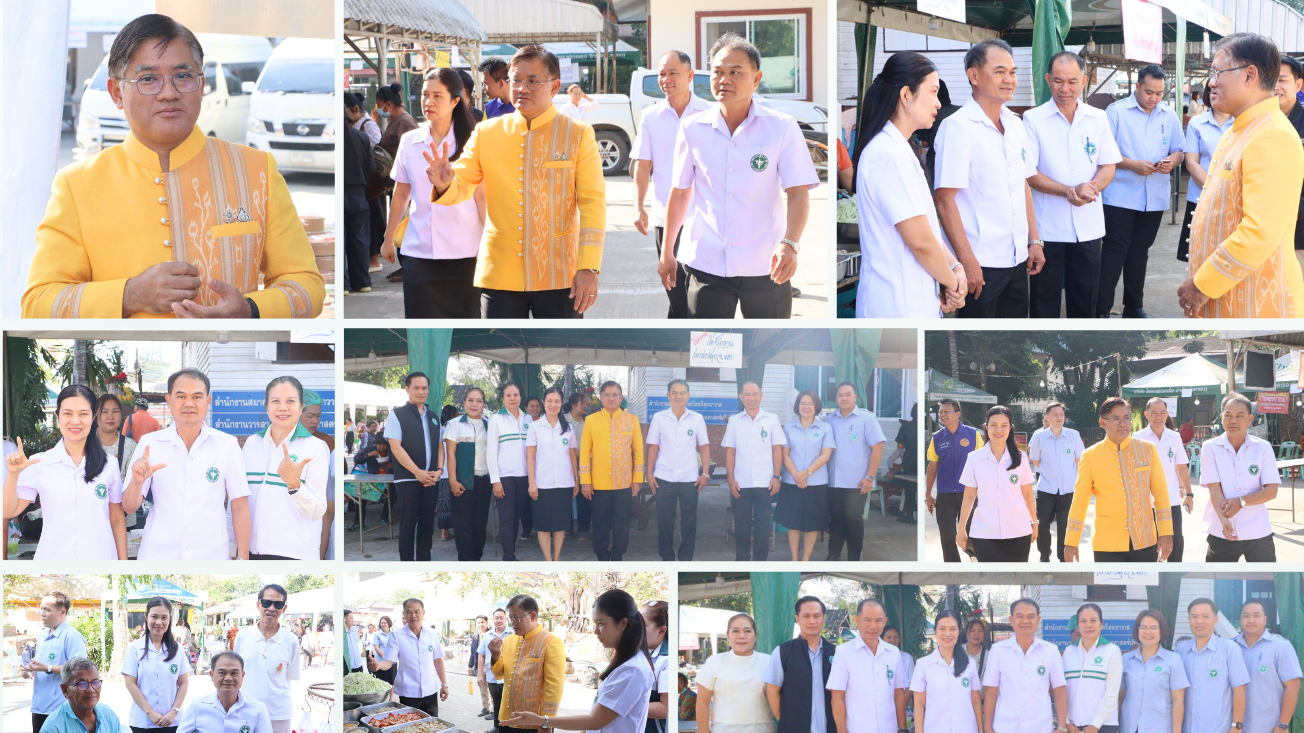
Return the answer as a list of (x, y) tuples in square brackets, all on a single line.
[(1117, 631), (245, 413), (715, 410)]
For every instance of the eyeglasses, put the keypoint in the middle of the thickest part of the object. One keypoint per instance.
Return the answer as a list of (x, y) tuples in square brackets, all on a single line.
[(518, 619), (268, 603), (1118, 420), (527, 83), (83, 685), (1213, 73), (184, 81)]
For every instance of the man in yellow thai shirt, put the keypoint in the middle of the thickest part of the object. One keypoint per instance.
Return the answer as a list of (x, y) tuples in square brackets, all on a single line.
[(530, 663), (1134, 521), (170, 222), (1243, 261), (542, 245), (611, 471)]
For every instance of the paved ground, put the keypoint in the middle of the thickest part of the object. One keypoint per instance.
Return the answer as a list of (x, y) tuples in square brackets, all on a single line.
[(464, 710), (629, 287)]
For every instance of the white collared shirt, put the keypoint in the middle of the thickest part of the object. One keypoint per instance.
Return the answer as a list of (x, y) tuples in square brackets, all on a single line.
[(75, 511), (579, 113), (677, 441), (870, 681), (738, 182), (991, 171), (1002, 512), (207, 715), (948, 701), (282, 524), (1024, 682), (1093, 677), (655, 142), (270, 665), (465, 430), (627, 691), (753, 441), (506, 444), (188, 521), (553, 451), (434, 232), (1069, 153), (1172, 453), (156, 676), (1240, 473), (415, 661)]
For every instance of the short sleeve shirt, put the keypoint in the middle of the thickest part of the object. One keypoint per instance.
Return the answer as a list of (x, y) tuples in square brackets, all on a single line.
[(678, 441), (1023, 681), (1270, 662), (854, 438), (1212, 672), (1069, 153), (209, 716), (948, 703), (465, 430), (627, 692), (1002, 512), (553, 450), (415, 661), (434, 231), (774, 676), (1058, 457), (1172, 453), (804, 447), (1202, 137), (1240, 473), (75, 511), (54, 647), (1149, 684), (657, 130), (485, 638), (1140, 136), (270, 666), (869, 680), (753, 440), (156, 676)]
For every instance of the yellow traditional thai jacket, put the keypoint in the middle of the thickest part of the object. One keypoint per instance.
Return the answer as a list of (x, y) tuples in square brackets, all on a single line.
[(223, 207), (532, 669), (611, 451), (1131, 496), (547, 200), (1243, 231)]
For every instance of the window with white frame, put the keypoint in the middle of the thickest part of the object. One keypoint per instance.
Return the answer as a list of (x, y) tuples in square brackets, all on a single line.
[(781, 40)]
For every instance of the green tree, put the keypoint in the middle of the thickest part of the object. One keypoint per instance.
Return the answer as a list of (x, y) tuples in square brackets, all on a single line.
[(224, 588), (28, 364), (1090, 377), (739, 602), (300, 583), (1003, 363), (387, 377)]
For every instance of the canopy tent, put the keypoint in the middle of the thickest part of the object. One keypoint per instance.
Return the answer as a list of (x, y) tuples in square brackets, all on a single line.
[(942, 386), (80, 589), (1197, 373), (167, 589), (375, 28)]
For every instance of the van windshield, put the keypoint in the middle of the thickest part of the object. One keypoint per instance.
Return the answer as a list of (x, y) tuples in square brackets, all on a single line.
[(100, 82), (298, 76)]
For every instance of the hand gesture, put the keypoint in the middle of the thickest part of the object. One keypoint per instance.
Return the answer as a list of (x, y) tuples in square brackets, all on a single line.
[(522, 719), (165, 720), (372, 665), (495, 646), (1070, 553), (1231, 508), (289, 470), (783, 263), (1189, 503), (866, 486), (159, 287), (576, 491), (962, 540), (1034, 532), (1165, 547), (634, 488), (584, 290), (774, 486), (1144, 167), (231, 303), (701, 481), (443, 693), (143, 469), (439, 169), (18, 460), (640, 222)]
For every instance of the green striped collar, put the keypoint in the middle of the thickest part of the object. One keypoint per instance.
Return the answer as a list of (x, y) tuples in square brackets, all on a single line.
[(299, 431)]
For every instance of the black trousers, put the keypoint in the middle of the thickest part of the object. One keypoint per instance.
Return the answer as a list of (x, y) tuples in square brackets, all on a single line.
[(256, 556), (1263, 549), (470, 519), (611, 512), (525, 517), (416, 527), (948, 522), (678, 295), (752, 511), (440, 288), (1052, 507), (1004, 295), (357, 241), (429, 703), (1072, 268), (672, 494), (713, 296), (496, 694), (583, 513), (378, 221), (523, 304), (1179, 542), (1125, 251), (516, 495), (1145, 554), (846, 522), (172, 729), (38, 721), (1014, 549)]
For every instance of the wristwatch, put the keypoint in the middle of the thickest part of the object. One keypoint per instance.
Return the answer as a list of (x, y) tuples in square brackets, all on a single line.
[(776, 477), (546, 725), (796, 246), (1283, 726), (253, 308), (1238, 726), (1037, 242)]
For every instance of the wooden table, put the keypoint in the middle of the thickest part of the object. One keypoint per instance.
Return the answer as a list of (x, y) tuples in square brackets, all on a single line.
[(367, 478), (1284, 465)]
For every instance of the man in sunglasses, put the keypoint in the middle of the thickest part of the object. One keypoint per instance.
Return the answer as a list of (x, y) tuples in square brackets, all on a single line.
[(227, 708), (172, 222), (82, 710), (271, 657)]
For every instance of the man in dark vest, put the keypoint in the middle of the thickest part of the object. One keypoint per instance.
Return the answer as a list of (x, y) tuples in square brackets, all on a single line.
[(798, 672), (413, 435), (948, 450)]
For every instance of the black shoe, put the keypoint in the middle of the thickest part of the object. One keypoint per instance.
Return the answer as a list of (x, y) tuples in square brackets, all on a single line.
[(642, 522), (796, 293), (1138, 313)]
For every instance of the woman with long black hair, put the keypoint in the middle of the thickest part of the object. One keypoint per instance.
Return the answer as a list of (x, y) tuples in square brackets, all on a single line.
[(998, 477), (440, 243), (156, 670), (552, 466), (627, 682), (903, 260), (78, 484), (946, 684)]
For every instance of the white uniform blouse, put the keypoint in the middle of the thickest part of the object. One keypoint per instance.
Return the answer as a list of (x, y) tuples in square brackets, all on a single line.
[(948, 703), (156, 676), (75, 511), (552, 453), (1002, 512), (626, 692), (1239, 473), (506, 444), (284, 524)]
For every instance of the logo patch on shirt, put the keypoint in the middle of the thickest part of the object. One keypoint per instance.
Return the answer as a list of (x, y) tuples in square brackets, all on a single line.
[(1263, 668), (818, 435), (764, 433), (244, 729), (1254, 469), (565, 441), (853, 436), (1213, 673), (890, 675), (1164, 142), (280, 668), (1089, 148), (211, 474), (964, 681), (690, 432), (51, 656), (430, 647), (1159, 669), (1099, 660), (294, 458), (1068, 450), (1014, 478), (1041, 670), (760, 162), (101, 491), (1170, 452), (173, 669), (1024, 152), (964, 443)]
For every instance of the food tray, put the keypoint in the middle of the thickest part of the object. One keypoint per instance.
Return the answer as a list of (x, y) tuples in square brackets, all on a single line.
[(406, 726), (366, 719), (387, 707)]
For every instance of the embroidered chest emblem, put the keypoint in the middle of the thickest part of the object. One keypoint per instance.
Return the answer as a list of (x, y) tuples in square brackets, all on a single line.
[(1089, 148), (760, 162), (1023, 152), (52, 656), (964, 443), (818, 435), (1254, 469), (964, 681), (294, 458), (1164, 142), (853, 436), (1170, 452), (565, 441), (1041, 670), (690, 432), (212, 474), (430, 648), (173, 669), (765, 433), (1099, 660), (101, 491), (1213, 673), (890, 675), (1068, 450), (1159, 669), (1263, 668), (1014, 478), (244, 729)]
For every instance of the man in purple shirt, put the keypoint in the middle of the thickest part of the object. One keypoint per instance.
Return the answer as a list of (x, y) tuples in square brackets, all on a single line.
[(497, 91)]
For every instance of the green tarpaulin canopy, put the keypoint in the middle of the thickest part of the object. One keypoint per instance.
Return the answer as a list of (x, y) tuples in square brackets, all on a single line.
[(168, 590), (1198, 373), (941, 385)]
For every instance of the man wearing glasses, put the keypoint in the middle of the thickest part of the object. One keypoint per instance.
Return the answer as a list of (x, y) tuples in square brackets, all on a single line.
[(546, 197), (82, 710), (534, 687), (227, 708), (1240, 473), (58, 643), (1134, 521), (171, 223), (271, 657), (419, 657)]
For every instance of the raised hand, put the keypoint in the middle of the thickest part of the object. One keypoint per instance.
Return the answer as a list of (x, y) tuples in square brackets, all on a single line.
[(143, 469), (439, 169), (290, 470), (18, 460)]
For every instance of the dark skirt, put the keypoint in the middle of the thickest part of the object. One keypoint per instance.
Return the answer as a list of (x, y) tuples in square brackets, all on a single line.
[(440, 288), (1015, 549), (552, 510), (805, 510)]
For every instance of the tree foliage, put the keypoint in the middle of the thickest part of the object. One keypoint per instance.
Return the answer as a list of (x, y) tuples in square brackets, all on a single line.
[(300, 583)]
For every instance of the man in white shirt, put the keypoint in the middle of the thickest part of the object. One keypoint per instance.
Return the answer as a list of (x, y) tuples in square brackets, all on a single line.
[(227, 708), (498, 631), (1240, 472), (1055, 452), (1020, 672), (981, 189), (197, 475), (679, 465), (753, 454), (271, 654), (579, 106), (734, 164), (419, 658), (654, 158), (1073, 149), (868, 678), (1173, 455)]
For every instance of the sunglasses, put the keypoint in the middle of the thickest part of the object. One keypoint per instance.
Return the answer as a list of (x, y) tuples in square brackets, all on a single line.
[(270, 604)]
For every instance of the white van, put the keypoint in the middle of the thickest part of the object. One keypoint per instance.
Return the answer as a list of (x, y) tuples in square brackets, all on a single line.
[(293, 108), (228, 62)]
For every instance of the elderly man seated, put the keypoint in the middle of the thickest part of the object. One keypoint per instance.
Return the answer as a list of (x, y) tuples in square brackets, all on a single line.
[(81, 712), (227, 708)]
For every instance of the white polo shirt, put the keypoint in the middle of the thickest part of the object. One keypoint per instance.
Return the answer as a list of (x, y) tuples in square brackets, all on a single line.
[(553, 450), (1024, 682), (506, 444), (948, 703), (1172, 453), (207, 714), (75, 511), (1069, 153), (1002, 512), (156, 676), (284, 524), (627, 691), (655, 142), (188, 521), (677, 441), (990, 170), (753, 441), (738, 182), (870, 681), (1240, 473), (415, 661), (1093, 677), (891, 188), (270, 665), (465, 430)]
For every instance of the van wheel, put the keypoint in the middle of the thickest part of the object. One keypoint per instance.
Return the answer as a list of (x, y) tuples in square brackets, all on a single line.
[(613, 149)]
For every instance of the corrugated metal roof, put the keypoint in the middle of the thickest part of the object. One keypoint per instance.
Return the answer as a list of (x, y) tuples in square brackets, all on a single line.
[(440, 17), (505, 21)]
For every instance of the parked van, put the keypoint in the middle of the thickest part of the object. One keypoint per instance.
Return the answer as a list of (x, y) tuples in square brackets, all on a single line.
[(292, 111), (228, 62)]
